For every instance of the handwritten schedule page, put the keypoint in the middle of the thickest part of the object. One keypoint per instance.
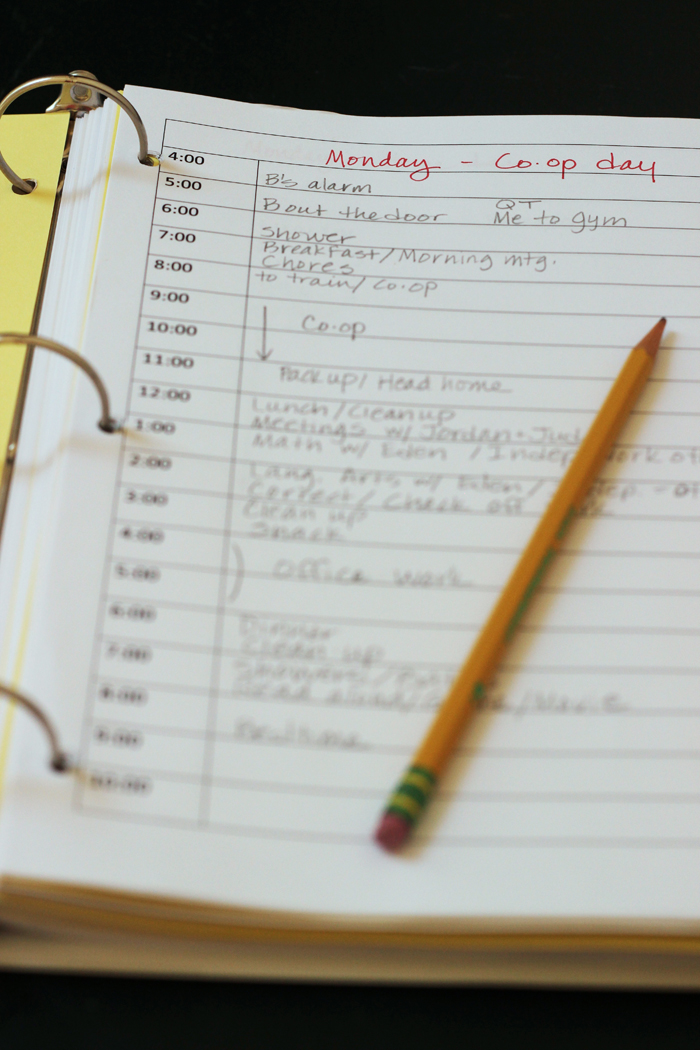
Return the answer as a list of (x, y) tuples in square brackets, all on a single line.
[(356, 357)]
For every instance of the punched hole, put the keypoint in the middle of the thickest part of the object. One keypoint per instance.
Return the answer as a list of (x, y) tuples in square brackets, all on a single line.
[(25, 193)]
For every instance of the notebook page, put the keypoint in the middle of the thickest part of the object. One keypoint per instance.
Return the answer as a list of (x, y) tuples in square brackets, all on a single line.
[(356, 357)]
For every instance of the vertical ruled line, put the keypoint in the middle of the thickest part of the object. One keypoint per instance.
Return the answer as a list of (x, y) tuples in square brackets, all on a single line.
[(215, 681)]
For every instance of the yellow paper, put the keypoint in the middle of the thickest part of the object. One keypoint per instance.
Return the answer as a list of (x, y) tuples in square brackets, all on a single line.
[(33, 145)]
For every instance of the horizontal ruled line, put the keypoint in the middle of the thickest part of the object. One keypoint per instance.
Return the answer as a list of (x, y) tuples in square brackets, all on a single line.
[(353, 175), (412, 224), (367, 583), (431, 275), (388, 473), (446, 442), (284, 835), (432, 249), (385, 145), (423, 405), (424, 625), (378, 545), (540, 345), (268, 298), (430, 512)]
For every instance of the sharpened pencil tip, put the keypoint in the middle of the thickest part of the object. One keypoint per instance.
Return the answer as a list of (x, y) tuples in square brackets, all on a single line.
[(392, 832), (652, 339)]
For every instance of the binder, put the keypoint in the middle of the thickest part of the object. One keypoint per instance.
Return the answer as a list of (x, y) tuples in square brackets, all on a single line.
[(463, 961), (38, 142)]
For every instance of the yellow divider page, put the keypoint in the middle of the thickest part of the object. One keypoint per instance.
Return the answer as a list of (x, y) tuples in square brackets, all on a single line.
[(33, 145)]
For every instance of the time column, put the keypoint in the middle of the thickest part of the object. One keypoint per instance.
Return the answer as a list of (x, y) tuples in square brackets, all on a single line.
[(156, 651)]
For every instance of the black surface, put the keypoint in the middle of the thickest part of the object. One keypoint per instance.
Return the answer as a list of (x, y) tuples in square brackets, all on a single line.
[(476, 56), (376, 56), (65, 1013)]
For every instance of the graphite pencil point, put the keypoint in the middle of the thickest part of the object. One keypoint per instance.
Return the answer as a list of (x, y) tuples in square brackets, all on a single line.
[(652, 339)]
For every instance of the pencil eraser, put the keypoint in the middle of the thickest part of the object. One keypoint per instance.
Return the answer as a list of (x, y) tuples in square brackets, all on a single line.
[(392, 832)]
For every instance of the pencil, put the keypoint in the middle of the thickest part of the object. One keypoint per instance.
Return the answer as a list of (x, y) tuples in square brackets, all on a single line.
[(406, 804)]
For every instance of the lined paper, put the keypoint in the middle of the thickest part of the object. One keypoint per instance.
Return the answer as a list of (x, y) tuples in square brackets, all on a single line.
[(355, 363)]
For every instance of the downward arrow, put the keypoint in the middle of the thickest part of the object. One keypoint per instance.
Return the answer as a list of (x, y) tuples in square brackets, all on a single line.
[(264, 353)]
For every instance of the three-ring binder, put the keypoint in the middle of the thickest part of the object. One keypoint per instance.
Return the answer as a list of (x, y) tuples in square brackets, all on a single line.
[(106, 421), (60, 761), (81, 92)]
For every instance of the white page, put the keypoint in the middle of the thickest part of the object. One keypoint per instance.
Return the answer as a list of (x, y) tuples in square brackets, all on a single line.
[(351, 388)]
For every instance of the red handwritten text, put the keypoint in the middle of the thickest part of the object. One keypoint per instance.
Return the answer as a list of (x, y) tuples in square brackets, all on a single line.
[(506, 162), (553, 162), (421, 167), (608, 164)]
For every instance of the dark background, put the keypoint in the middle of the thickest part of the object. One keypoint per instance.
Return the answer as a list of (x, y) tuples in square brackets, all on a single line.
[(380, 58), (376, 57)]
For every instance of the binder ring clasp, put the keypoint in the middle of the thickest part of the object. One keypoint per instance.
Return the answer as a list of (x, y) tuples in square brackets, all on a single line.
[(106, 421), (60, 761), (26, 185)]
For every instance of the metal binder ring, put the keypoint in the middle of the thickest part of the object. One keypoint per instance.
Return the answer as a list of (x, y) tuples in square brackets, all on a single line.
[(106, 422), (60, 761), (25, 185)]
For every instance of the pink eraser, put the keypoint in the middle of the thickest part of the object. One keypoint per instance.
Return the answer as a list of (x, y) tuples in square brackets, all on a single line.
[(392, 832)]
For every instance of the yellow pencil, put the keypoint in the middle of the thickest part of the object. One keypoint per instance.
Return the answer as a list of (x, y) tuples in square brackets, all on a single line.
[(461, 703)]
